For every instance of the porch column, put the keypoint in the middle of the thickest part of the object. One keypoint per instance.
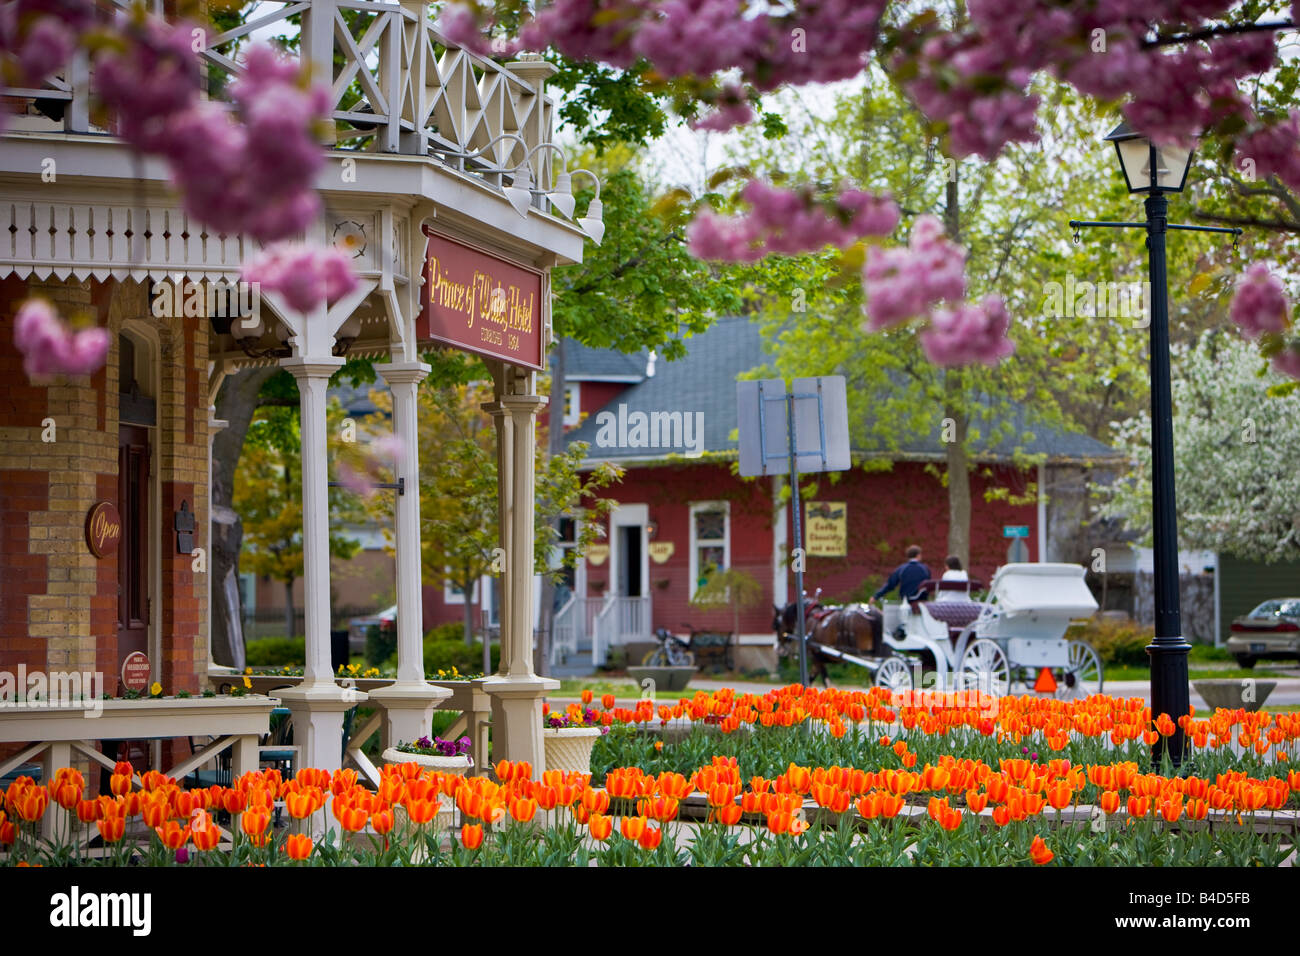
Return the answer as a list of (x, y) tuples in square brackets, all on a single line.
[(516, 691), (409, 701), (318, 703)]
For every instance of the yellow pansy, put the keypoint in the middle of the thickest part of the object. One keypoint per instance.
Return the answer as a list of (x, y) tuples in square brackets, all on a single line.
[(155, 689)]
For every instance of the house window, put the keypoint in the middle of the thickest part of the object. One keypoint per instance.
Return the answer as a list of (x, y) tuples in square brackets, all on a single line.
[(710, 539), (568, 540), (451, 594), (572, 405)]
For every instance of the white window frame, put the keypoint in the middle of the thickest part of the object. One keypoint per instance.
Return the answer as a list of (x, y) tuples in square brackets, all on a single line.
[(572, 404), (449, 596), (696, 508)]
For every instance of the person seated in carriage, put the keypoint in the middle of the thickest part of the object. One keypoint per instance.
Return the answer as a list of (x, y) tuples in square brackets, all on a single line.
[(907, 577), (957, 574)]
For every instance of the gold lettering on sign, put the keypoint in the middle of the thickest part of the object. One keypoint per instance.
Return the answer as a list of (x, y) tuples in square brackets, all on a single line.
[(103, 529), (485, 299)]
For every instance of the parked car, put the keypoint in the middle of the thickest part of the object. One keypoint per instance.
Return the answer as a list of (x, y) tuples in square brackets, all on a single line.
[(1271, 631), (358, 626)]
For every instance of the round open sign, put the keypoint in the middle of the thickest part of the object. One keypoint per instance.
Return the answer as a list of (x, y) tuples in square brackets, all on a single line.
[(103, 529), (135, 671)]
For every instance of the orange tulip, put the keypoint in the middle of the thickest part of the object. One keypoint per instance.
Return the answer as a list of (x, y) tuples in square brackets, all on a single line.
[(729, 815), (254, 823), (523, 809), (660, 808), (1197, 809), (600, 826), (31, 804), (586, 695), (650, 838), (1001, 815), (173, 835), (88, 811), (909, 760), (607, 701), (976, 801), (110, 828), (422, 811), (1039, 852), (595, 801), (233, 801), (471, 836), (154, 809), (1109, 801), (633, 827), (299, 805), (890, 805), (1059, 795), (1138, 806), (382, 821), (203, 831), (869, 805), (298, 846), (1172, 808)]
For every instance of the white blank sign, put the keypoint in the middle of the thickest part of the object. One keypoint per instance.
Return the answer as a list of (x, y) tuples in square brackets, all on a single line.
[(770, 455)]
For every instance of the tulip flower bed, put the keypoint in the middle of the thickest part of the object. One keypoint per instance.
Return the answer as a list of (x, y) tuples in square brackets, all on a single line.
[(1019, 812), (871, 728)]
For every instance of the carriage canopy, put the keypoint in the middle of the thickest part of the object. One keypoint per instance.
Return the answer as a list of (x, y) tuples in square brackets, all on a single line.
[(1049, 589)]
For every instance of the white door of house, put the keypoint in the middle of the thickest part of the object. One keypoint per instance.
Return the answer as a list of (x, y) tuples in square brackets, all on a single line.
[(629, 572)]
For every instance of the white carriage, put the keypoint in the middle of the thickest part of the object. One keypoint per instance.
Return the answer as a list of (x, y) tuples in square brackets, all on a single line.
[(1014, 637)]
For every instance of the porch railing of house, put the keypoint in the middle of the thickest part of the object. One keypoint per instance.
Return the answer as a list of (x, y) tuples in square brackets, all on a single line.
[(602, 630), (621, 619), (564, 630), (397, 86)]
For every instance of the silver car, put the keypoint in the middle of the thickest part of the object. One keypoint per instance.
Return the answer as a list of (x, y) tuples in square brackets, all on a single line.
[(1271, 631)]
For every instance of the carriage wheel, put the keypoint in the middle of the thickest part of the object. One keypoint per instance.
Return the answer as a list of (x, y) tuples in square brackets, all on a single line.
[(1083, 677), (894, 675), (984, 668)]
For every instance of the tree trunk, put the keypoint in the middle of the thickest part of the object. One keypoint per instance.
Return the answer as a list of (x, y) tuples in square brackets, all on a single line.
[(554, 446), (289, 627), (955, 450), (236, 403)]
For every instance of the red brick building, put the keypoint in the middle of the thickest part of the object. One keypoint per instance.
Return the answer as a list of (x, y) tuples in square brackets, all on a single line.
[(681, 506)]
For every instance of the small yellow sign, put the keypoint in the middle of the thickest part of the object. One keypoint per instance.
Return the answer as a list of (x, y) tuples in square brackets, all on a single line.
[(597, 554), (661, 551), (827, 534)]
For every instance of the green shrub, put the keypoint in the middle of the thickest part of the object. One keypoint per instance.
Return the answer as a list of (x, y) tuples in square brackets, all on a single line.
[(381, 644), (1121, 643), (444, 648), (275, 651)]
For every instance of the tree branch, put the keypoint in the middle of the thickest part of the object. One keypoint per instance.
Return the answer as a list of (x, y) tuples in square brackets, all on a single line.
[(1274, 225), (1171, 39)]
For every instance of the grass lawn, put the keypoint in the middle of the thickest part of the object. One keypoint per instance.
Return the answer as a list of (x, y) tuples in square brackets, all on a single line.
[(1143, 672)]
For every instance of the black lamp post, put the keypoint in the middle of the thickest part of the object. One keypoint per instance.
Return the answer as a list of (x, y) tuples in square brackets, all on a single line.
[(1155, 171)]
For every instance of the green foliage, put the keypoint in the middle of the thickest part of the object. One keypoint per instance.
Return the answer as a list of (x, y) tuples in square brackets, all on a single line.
[(444, 651), (1122, 643), (276, 652), (381, 644)]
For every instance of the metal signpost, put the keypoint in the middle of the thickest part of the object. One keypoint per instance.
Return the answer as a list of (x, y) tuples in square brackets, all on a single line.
[(769, 444)]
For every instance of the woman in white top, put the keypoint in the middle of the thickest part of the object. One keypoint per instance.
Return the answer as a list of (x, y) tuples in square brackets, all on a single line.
[(954, 573)]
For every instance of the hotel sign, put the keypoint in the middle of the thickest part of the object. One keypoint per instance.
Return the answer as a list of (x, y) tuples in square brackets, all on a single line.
[(103, 529), (481, 303)]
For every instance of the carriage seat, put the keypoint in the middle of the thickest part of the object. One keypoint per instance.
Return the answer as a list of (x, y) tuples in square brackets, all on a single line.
[(956, 614)]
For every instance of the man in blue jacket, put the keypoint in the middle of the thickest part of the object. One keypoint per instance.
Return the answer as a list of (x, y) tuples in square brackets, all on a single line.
[(908, 577)]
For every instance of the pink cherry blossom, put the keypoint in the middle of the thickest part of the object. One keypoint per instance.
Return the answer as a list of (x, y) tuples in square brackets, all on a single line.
[(1287, 362), (905, 282), (969, 334), (306, 276), (354, 481), (788, 222), (1274, 150), (388, 448), (49, 347), (733, 110), (1258, 304)]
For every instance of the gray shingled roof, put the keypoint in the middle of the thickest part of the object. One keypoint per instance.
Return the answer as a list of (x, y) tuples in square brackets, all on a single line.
[(705, 381), (584, 363)]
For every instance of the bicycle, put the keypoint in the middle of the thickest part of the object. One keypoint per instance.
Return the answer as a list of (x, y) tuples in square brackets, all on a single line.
[(671, 652)]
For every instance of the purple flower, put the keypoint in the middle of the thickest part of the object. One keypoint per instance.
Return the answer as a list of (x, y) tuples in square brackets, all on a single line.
[(183, 855)]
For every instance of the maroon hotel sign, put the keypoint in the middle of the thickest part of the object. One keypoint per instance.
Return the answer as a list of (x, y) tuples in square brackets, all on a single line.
[(481, 303)]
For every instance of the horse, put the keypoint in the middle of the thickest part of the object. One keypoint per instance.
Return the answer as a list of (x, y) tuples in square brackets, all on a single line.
[(855, 627)]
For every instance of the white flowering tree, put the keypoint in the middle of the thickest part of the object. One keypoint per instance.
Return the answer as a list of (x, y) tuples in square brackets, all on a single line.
[(1236, 454)]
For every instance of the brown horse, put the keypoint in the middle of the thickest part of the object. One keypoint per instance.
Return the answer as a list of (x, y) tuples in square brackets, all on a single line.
[(853, 627)]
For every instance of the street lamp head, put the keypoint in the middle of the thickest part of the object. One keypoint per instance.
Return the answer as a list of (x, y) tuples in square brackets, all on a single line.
[(1137, 156)]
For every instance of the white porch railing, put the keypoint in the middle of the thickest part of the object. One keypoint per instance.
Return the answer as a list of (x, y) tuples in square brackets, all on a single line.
[(396, 85), (564, 631), (619, 620)]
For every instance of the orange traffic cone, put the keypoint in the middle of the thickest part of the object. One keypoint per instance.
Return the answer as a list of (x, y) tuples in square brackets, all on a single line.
[(1046, 683)]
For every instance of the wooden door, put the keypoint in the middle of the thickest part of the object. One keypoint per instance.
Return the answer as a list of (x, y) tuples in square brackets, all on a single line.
[(133, 605)]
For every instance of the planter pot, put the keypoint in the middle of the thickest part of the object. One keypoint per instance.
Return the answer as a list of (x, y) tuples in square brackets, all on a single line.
[(1233, 693), (568, 749), (665, 678), (453, 765)]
